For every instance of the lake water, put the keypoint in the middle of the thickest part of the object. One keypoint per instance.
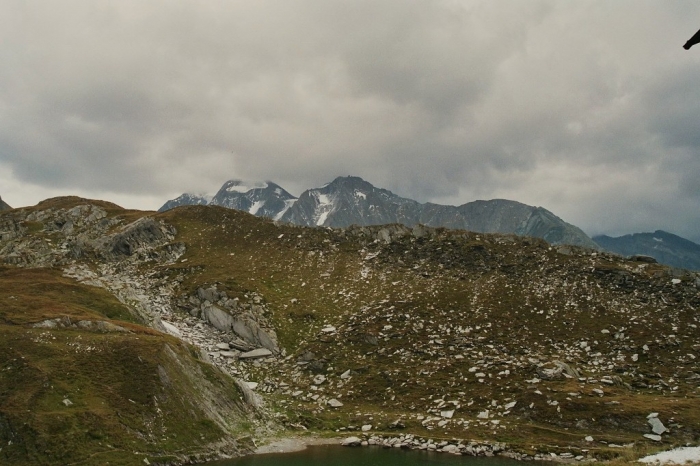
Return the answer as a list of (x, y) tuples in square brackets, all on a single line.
[(365, 456)]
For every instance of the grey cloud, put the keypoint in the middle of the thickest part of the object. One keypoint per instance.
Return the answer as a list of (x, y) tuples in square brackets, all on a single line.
[(568, 105)]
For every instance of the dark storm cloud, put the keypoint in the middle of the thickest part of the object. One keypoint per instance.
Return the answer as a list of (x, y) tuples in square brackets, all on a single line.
[(585, 108)]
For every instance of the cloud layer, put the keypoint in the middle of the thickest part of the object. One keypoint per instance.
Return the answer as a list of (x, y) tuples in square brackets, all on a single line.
[(589, 109)]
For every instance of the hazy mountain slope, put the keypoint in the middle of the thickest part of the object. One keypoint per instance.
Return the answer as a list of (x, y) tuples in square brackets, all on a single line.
[(3, 205), (351, 201), (665, 247)]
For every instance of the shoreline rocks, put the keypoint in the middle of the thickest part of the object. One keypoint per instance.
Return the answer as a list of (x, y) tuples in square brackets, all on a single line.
[(457, 447)]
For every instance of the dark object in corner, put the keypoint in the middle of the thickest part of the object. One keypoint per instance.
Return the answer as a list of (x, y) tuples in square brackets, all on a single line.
[(3, 205), (692, 41)]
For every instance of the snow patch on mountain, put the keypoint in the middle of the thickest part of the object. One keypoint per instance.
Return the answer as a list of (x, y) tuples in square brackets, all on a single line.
[(325, 206), (287, 205), (256, 206)]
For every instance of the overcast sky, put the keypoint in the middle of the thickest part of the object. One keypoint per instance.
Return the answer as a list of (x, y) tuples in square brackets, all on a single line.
[(590, 109)]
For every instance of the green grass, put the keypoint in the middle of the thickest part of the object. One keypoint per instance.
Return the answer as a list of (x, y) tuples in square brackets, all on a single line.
[(516, 300), (129, 392)]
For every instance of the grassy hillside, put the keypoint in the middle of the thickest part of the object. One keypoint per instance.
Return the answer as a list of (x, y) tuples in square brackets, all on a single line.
[(80, 393), (436, 320), (444, 334)]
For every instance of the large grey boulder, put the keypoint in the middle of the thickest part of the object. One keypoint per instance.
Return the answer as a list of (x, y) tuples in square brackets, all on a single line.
[(351, 442), (657, 426), (244, 325)]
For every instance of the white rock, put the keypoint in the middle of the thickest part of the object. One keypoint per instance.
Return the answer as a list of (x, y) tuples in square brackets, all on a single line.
[(333, 403), (447, 413), (252, 385), (256, 353), (351, 442), (657, 426), (319, 379), (483, 414), (366, 427), (589, 438), (656, 438), (171, 329), (345, 375), (67, 402)]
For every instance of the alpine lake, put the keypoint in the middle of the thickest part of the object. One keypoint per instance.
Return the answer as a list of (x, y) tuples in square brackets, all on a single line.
[(333, 455)]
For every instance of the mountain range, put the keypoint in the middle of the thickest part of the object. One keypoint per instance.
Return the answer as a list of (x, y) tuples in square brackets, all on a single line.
[(351, 200), (3, 205)]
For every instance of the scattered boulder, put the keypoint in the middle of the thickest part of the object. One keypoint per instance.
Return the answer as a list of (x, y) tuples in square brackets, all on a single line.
[(657, 426), (351, 442), (255, 354)]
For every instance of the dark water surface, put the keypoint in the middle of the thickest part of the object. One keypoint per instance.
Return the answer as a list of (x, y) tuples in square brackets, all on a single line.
[(365, 456)]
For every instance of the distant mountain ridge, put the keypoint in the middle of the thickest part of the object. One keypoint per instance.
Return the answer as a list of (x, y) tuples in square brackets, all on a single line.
[(350, 200), (186, 199), (265, 199), (663, 246), (3, 205)]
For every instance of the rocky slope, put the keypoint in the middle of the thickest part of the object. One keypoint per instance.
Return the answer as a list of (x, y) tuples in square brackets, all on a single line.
[(353, 201), (665, 247), (432, 333), (86, 378)]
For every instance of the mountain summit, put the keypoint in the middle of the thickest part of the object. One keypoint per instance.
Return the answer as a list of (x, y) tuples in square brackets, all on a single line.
[(264, 199), (350, 200)]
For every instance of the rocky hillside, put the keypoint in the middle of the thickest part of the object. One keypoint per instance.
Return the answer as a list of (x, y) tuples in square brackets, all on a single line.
[(414, 332), (665, 247), (3, 205), (86, 376), (353, 201)]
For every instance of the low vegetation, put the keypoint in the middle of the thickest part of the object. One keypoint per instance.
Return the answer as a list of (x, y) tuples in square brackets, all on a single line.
[(441, 334)]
